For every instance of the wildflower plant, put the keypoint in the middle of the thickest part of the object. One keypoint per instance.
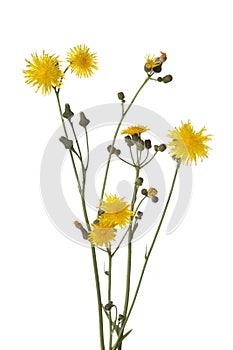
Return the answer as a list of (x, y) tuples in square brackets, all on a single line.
[(114, 215)]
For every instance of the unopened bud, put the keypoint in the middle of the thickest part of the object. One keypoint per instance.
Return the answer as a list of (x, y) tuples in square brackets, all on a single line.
[(154, 199), (148, 144), (68, 114), (108, 306), (162, 147), (144, 192), (83, 120), (82, 229), (167, 78), (121, 96), (139, 181), (66, 142)]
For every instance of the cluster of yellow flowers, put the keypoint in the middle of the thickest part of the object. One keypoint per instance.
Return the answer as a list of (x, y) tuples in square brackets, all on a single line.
[(187, 145), (45, 71), (116, 212)]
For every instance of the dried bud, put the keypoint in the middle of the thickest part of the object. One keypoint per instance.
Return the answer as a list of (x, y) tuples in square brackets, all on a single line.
[(152, 192), (148, 144), (159, 79), (66, 142), (162, 147), (121, 96), (167, 78), (83, 120), (144, 192), (121, 317), (68, 114)]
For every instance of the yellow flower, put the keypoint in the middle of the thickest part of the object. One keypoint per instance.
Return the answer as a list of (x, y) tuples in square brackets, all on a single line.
[(152, 61), (188, 144), (116, 211), (44, 72), (136, 129), (102, 233), (82, 61)]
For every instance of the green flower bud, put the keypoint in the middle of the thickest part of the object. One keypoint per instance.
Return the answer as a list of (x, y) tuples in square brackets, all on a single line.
[(162, 147), (160, 79), (139, 181), (140, 145), (121, 96), (167, 78), (157, 69), (108, 306), (156, 148)]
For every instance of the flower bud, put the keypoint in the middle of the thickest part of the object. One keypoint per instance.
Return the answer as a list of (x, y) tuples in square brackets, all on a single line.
[(148, 144), (121, 96), (139, 181), (162, 147), (83, 120), (167, 78), (160, 79), (156, 148), (109, 149), (66, 142), (157, 69), (140, 145), (108, 306), (154, 199), (129, 141), (139, 215), (144, 192), (82, 229), (135, 137), (117, 152), (68, 114)]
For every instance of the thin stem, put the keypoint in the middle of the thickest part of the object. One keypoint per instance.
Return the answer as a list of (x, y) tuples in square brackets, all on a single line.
[(94, 259), (129, 260), (118, 342), (109, 295), (88, 149), (124, 112), (143, 165)]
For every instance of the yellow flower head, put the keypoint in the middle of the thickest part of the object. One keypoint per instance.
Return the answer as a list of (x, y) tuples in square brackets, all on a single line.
[(82, 61), (102, 233), (116, 211), (152, 61), (44, 72), (188, 144), (136, 129)]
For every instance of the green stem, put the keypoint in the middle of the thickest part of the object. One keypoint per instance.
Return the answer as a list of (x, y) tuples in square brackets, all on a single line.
[(116, 133), (129, 259), (109, 295), (118, 342), (94, 259)]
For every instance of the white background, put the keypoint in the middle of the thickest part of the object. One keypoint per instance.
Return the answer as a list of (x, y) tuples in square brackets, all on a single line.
[(47, 295)]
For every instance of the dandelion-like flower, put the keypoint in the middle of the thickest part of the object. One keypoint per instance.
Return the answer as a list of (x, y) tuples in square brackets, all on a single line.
[(82, 61), (103, 232), (116, 211), (135, 129), (44, 72), (153, 61), (188, 144)]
